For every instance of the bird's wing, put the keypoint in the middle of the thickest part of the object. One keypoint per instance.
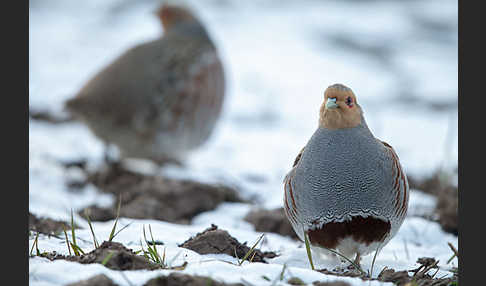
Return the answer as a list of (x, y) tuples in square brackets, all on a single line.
[(399, 186), (290, 205), (117, 93), (146, 87), (297, 159)]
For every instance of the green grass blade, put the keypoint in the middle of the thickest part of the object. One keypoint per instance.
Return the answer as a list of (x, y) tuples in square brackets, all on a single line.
[(163, 258), (73, 234), (237, 258), (251, 249), (67, 240), (347, 259), (174, 258), (37, 245), (373, 262), (107, 258), (283, 272), (95, 241), (112, 234), (122, 229), (75, 249), (78, 249), (153, 240), (152, 251), (253, 256), (34, 244), (454, 250), (307, 248)]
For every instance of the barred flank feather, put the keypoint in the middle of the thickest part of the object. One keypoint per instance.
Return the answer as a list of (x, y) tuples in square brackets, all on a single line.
[(400, 186)]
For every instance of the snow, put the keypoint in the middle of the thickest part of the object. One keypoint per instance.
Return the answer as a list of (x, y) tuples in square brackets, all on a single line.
[(279, 57)]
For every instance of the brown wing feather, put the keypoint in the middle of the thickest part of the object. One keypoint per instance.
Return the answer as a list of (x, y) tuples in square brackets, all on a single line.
[(290, 205), (400, 182), (297, 159)]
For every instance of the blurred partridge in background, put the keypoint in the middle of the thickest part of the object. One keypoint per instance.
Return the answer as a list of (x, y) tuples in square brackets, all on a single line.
[(347, 190), (159, 99)]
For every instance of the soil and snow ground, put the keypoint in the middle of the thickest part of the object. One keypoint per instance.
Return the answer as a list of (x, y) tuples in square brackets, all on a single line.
[(400, 58)]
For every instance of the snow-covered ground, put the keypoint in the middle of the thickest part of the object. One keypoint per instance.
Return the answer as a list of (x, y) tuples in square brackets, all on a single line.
[(399, 57)]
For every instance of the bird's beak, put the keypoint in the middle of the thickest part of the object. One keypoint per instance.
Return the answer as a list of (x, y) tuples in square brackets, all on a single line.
[(331, 103)]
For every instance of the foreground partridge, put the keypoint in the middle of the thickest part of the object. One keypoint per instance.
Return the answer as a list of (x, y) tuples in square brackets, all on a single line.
[(347, 190), (159, 99)]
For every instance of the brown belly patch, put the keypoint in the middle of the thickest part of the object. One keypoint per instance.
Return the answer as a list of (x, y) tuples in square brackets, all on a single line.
[(365, 230)]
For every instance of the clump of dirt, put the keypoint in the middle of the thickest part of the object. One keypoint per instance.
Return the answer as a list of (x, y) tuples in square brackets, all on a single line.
[(214, 240), (447, 207), (421, 275), (271, 221), (398, 277), (121, 258), (98, 280), (179, 279), (156, 197), (447, 200), (47, 225), (424, 275), (295, 281)]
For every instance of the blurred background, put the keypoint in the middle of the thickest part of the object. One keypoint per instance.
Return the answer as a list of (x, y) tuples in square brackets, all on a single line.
[(399, 57)]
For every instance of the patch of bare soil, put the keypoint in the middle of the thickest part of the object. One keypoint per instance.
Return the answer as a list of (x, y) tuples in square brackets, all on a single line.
[(298, 282), (218, 241), (447, 200), (98, 280), (47, 225), (424, 275), (447, 206), (271, 221), (179, 279), (121, 258), (155, 197)]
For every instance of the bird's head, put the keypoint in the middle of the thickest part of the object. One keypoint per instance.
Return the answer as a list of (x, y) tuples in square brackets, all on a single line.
[(172, 14), (340, 108)]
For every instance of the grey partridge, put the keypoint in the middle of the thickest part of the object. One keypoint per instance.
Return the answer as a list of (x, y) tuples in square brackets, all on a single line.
[(346, 190), (160, 99)]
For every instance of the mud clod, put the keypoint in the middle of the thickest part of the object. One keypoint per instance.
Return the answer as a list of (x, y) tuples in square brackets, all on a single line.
[(98, 214), (422, 276), (447, 207), (399, 277), (156, 197), (122, 258), (271, 221), (47, 225), (214, 240), (295, 281), (98, 280), (178, 279), (447, 200)]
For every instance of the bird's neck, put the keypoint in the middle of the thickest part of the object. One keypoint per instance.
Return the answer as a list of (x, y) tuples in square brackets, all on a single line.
[(336, 121), (192, 29)]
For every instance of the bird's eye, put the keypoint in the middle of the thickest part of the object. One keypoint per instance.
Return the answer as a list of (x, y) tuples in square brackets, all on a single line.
[(349, 101)]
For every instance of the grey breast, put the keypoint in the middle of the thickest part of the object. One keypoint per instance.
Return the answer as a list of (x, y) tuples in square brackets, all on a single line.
[(343, 173)]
